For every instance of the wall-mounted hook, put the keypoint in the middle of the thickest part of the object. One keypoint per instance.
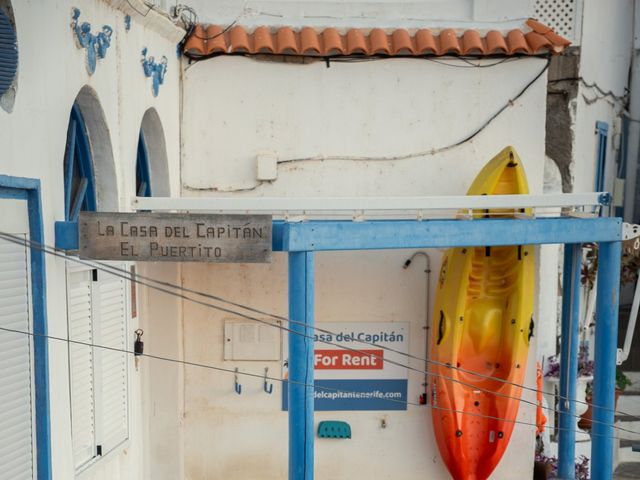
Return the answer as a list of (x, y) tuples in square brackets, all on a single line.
[(237, 387), (268, 387)]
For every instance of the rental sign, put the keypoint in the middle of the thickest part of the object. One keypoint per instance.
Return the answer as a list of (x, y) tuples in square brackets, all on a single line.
[(358, 377)]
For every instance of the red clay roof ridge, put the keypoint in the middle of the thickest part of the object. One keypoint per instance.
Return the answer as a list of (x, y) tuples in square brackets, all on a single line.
[(535, 38)]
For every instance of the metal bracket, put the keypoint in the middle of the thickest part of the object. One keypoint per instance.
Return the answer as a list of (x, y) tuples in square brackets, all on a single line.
[(620, 356), (630, 231), (237, 387)]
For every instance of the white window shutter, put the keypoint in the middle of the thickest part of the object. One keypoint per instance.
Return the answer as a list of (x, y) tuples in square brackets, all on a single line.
[(16, 415), (81, 363), (111, 328)]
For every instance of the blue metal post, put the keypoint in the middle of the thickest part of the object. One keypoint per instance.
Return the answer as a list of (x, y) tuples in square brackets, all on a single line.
[(301, 428), (604, 375), (569, 360)]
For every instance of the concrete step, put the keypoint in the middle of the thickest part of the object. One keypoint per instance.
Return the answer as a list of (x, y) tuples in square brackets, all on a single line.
[(633, 426), (627, 471), (635, 379), (629, 402)]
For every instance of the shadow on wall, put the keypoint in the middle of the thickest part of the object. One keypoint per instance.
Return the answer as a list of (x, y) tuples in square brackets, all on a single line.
[(99, 136), (158, 163)]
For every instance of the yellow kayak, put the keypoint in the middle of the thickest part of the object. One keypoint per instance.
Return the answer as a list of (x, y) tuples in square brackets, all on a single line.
[(482, 323)]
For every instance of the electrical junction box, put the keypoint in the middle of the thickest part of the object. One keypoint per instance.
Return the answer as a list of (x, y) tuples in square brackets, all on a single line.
[(246, 340), (267, 167)]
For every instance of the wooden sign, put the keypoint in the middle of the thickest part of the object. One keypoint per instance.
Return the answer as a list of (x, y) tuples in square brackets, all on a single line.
[(175, 237)]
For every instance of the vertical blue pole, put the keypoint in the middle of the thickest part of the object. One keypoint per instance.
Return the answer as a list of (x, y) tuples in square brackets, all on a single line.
[(301, 302), (569, 360), (604, 375)]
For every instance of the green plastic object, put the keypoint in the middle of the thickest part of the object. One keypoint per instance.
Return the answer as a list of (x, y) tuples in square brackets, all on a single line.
[(334, 429)]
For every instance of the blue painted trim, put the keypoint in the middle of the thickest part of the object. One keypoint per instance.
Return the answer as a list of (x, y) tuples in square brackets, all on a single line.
[(569, 360), (277, 230), (95, 44), (70, 155), (154, 70), (79, 200), (78, 159), (372, 235), (8, 53), (301, 308), (143, 169), (602, 130), (602, 127), (30, 188), (67, 235), (13, 193), (604, 374)]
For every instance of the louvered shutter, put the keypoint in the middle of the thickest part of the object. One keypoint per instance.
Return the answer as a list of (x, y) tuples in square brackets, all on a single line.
[(8, 53), (110, 326), (16, 416), (81, 363)]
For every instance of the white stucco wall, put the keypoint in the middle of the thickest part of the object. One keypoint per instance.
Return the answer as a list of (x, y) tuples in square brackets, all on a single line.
[(237, 108), (51, 73), (605, 57), (366, 13)]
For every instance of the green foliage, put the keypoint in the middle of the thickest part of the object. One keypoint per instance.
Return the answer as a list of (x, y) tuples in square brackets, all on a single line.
[(622, 381)]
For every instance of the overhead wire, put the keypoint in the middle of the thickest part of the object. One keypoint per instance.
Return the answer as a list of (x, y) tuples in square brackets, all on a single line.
[(288, 381), (135, 278), (431, 151), (593, 85), (128, 276)]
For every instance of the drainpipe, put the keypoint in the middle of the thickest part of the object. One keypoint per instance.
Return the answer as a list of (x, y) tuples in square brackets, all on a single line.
[(427, 271), (631, 209)]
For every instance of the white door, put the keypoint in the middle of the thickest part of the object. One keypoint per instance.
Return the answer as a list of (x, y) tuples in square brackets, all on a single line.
[(17, 449)]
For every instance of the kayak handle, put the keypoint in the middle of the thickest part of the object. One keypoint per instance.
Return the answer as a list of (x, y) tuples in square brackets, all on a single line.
[(440, 328)]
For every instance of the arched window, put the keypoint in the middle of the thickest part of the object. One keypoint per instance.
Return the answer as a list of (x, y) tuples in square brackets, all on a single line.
[(152, 165), (143, 174), (97, 300), (79, 185)]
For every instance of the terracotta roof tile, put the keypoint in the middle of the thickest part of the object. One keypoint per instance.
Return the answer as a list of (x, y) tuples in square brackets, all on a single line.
[(472, 43), (401, 43), (425, 43), (309, 42), (535, 39), (496, 44)]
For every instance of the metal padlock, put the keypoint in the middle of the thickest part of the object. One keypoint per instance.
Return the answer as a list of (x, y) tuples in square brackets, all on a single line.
[(138, 346)]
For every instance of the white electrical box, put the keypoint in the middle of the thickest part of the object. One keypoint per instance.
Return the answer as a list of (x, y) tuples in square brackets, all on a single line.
[(267, 167), (246, 340)]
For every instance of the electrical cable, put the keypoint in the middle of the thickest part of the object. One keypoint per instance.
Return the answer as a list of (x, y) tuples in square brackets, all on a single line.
[(594, 85), (112, 270), (411, 155), (281, 380), (149, 8), (432, 151), (128, 276), (227, 28)]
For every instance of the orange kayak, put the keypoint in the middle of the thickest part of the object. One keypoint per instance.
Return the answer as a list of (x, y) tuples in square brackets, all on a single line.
[(482, 323)]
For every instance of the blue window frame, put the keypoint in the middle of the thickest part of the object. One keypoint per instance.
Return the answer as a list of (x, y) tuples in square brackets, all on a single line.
[(79, 184), (143, 174), (29, 189), (602, 131)]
